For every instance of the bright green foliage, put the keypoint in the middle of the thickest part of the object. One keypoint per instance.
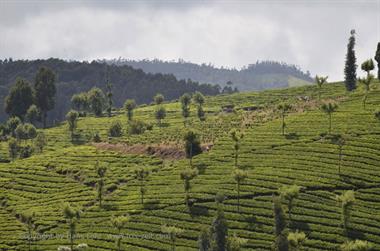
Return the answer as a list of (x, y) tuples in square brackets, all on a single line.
[(116, 129), (284, 109), (45, 90), (32, 114), (119, 223), (187, 175), (40, 142), (96, 101), (346, 201), (357, 245), (289, 194), (296, 240), (72, 216), (350, 65), (329, 109), (19, 99), (173, 233), (12, 124), (129, 106), (239, 177), (25, 131), (141, 174), (234, 243), (320, 81), (71, 118), (137, 127), (80, 102)]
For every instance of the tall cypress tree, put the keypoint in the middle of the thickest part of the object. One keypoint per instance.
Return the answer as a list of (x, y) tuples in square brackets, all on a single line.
[(377, 58), (350, 67)]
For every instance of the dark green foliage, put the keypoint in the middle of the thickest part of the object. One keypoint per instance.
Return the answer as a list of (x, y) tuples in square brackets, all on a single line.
[(367, 66), (45, 90), (377, 114), (239, 176), (350, 65), (199, 100), (185, 101), (13, 148), (40, 141), (192, 144), (72, 216), (96, 101), (141, 174), (281, 241), (80, 102), (158, 99), (101, 172), (377, 58), (116, 129), (129, 106), (25, 152), (137, 127), (160, 114), (219, 232), (96, 137), (187, 175), (109, 95), (12, 124), (19, 99), (283, 108), (236, 136), (204, 239), (72, 117)]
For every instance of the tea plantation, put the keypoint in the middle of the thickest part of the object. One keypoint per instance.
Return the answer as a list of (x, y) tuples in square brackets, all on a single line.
[(306, 156)]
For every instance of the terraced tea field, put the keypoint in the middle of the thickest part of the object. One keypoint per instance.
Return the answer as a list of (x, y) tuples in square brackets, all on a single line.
[(305, 156)]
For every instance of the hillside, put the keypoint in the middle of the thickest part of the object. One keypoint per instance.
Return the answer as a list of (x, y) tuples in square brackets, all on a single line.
[(73, 77), (258, 76), (305, 156)]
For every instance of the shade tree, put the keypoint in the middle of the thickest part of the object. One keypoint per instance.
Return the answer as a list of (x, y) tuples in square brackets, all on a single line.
[(236, 137), (289, 194), (283, 109), (96, 100), (44, 92), (141, 174), (119, 223), (329, 109), (320, 81), (367, 66), (72, 216), (192, 145), (27, 218), (101, 173), (173, 233), (72, 119), (346, 201), (350, 64), (19, 99), (239, 177), (32, 114), (186, 176), (129, 106), (280, 223), (185, 101)]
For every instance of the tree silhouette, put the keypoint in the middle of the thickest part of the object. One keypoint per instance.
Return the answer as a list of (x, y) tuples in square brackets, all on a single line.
[(346, 200), (109, 95), (199, 100), (101, 173), (96, 101), (204, 239), (350, 65), (32, 114), (40, 141), (173, 233), (129, 106), (160, 114), (72, 118), (236, 136), (219, 231), (320, 81), (367, 66), (119, 223), (72, 216), (289, 194), (281, 241), (19, 99), (28, 219), (239, 177), (187, 175), (377, 58), (44, 91), (141, 174), (329, 109), (283, 108), (192, 145), (185, 101), (340, 141)]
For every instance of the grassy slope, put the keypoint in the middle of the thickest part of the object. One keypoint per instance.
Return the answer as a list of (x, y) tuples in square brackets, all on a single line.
[(65, 172)]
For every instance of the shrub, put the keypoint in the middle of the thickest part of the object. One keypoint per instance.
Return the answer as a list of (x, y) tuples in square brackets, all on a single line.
[(26, 152), (96, 137), (116, 129), (137, 127)]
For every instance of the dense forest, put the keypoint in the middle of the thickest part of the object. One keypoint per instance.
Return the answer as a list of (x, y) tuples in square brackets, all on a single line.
[(74, 77), (257, 76)]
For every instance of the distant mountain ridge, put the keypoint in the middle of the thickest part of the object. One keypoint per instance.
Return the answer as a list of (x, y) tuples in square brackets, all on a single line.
[(258, 76)]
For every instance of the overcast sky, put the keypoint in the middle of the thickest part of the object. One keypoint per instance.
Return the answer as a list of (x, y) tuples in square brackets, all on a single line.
[(311, 34)]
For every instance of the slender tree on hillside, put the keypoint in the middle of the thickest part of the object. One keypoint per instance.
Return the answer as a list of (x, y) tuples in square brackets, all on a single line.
[(281, 240), (13, 148), (367, 66), (340, 141), (239, 177), (219, 231), (80, 102), (129, 106), (236, 136), (72, 216), (159, 99), (192, 145), (160, 114), (96, 101), (119, 223), (346, 201), (101, 173), (173, 233), (320, 81), (377, 58), (289, 194), (296, 240), (283, 108), (185, 101), (19, 99), (187, 175), (45, 90), (109, 95), (350, 66), (329, 109), (377, 114), (40, 142), (204, 239), (141, 174), (27, 219), (199, 100), (72, 118)]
